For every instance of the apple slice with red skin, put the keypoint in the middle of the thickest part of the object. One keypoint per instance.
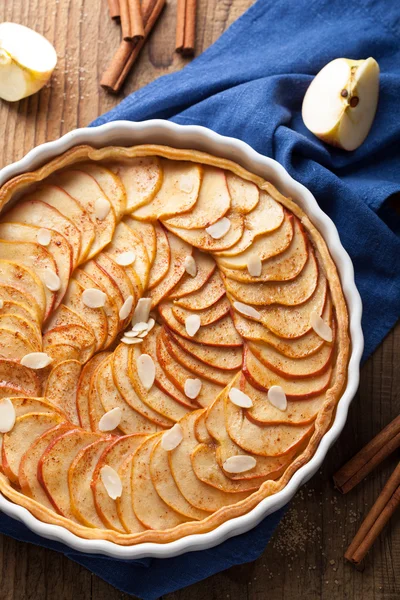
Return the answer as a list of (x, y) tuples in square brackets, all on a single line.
[(176, 270), (61, 387), (19, 325), (205, 268), (71, 334), (212, 291), (245, 195), (162, 258), (14, 345), (124, 503), (53, 468), (213, 202), (224, 358), (61, 352), (124, 240), (209, 315), (141, 177), (147, 233), (20, 376), (110, 184), (11, 294), (26, 284), (94, 318), (119, 276), (82, 392)]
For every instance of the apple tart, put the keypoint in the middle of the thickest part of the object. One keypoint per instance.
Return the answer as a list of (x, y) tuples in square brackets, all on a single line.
[(173, 342)]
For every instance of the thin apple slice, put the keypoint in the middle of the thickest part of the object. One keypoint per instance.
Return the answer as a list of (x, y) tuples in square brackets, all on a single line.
[(114, 456), (162, 257), (179, 374), (20, 325), (22, 311), (244, 194), (110, 183), (27, 474), (40, 214), (54, 466), (141, 177), (94, 318), (24, 281), (196, 492), (298, 412), (166, 487), (57, 198), (82, 392), (207, 315), (14, 345), (110, 308), (118, 274), (16, 374), (71, 334), (124, 503), (229, 359), (149, 508), (148, 234), (58, 247), (295, 389), (35, 258), (221, 333), (16, 442), (8, 293), (85, 190), (151, 420), (289, 293), (178, 192), (188, 360), (265, 247), (267, 216), (206, 296), (155, 398), (61, 388), (199, 238), (282, 267), (176, 269), (106, 284), (109, 396), (207, 470), (80, 475), (200, 429), (63, 316), (205, 268), (297, 368), (268, 440), (61, 352), (126, 239), (212, 204)]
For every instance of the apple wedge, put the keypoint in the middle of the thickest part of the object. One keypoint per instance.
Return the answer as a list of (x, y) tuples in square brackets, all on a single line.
[(340, 105), (199, 238), (54, 466), (178, 192), (207, 315), (61, 387), (166, 487), (205, 268), (27, 474), (149, 508), (287, 293), (222, 333), (141, 178), (40, 214), (23, 280), (265, 247), (267, 216), (197, 493), (180, 250), (58, 247), (282, 267), (109, 183), (82, 392), (16, 442), (212, 291), (57, 198), (212, 204), (244, 194), (80, 475), (124, 503), (114, 456), (162, 257)]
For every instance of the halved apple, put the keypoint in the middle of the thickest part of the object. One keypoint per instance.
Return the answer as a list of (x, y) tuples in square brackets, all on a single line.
[(340, 105), (212, 204), (178, 192)]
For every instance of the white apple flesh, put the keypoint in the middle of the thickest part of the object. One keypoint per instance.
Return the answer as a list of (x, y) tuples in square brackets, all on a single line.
[(27, 61), (340, 104)]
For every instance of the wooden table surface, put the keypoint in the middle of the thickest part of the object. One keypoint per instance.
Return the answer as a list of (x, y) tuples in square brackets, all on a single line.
[(305, 556)]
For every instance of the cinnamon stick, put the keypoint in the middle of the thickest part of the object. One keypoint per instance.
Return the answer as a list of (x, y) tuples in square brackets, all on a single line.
[(186, 27), (113, 7), (379, 448), (131, 20), (128, 52), (386, 504)]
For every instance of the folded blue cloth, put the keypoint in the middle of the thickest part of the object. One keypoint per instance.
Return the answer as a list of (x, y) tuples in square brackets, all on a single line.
[(250, 84)]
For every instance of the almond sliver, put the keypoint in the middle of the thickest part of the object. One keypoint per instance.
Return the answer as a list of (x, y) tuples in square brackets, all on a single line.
[(320, 327), (172, 438), (93, 298), (125, 258), (239, 398), (146, 370), (192, 388), (126, 308), (190, 266), (7, 415), (192, 324), (110, 420), (219, 229), (51, 280), (239, 463), (245, 309), (277, 397), (44, 237), (36, 360), (111, 482), (254, 265), (101, 208), (142, 311)]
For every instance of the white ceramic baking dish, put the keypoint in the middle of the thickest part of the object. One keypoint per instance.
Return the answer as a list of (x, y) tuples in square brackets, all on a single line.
[(125, 133)]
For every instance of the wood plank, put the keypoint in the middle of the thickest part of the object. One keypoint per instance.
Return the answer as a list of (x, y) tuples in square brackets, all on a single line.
[(305, 557)]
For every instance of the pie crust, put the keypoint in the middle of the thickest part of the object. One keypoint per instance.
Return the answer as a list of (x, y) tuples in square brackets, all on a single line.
[(162, 201)]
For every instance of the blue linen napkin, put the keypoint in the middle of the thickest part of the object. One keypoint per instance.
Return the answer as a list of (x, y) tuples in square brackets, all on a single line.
[(250, 84)]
